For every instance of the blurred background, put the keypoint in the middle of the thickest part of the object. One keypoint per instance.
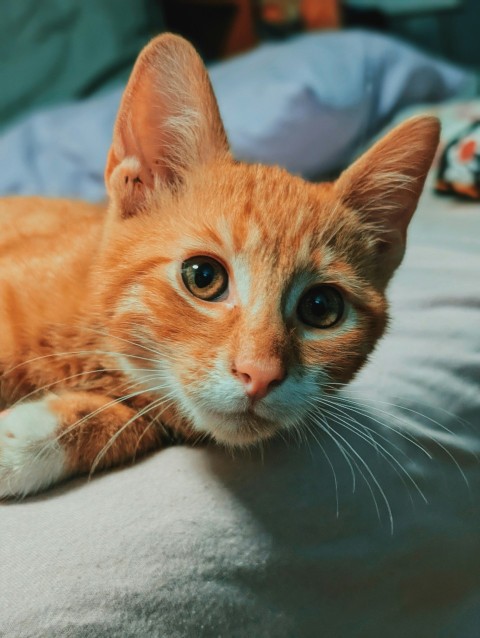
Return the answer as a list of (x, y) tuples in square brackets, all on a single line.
[(305, 84), (55, 50)]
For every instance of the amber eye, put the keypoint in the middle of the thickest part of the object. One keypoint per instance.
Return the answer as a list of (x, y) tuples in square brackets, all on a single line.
[(204, 277), (321, 307)]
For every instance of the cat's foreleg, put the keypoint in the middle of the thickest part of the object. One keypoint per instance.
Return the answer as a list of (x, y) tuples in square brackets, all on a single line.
[(46, 441)]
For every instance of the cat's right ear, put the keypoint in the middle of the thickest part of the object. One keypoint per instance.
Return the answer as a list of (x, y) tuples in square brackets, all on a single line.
[(168, 124), (383, 187)]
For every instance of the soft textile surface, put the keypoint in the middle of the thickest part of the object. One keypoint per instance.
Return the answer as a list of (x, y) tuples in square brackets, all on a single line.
[(193, 542), (307, 104)]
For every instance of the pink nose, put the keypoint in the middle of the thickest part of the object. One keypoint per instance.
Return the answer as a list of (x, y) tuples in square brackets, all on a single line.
[(259, 377)]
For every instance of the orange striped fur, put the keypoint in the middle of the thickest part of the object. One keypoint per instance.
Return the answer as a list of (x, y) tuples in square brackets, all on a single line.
[(96, 320)]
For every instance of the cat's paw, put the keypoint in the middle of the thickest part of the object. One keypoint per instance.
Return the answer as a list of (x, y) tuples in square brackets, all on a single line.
[(31, 458)]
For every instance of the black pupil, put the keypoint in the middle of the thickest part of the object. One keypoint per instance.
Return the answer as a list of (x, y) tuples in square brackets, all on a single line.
[(204, 275), (318, 304)]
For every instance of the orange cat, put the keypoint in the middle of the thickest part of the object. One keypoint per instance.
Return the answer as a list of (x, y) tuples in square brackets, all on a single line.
[(211, 297)]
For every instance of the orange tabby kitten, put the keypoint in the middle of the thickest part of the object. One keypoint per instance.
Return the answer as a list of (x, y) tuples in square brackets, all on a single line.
[(211, 297)]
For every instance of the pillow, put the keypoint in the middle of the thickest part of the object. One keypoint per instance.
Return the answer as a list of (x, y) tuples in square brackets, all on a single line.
[(310, 103), (307, 104), (369, 527)]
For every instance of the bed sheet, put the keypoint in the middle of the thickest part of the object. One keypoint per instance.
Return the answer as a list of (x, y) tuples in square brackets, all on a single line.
[(299, 541)]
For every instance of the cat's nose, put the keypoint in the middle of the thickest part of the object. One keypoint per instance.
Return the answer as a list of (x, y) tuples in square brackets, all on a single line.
[(259, 377)]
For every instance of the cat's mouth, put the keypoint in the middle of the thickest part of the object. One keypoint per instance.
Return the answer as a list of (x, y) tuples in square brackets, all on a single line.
[(243, 427), (234, 419)]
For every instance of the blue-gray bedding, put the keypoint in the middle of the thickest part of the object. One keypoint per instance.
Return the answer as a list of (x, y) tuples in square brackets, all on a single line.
[(196, 543)]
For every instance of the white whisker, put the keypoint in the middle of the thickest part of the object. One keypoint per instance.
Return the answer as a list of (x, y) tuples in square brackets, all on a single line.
[(369, 472), (394, 463)]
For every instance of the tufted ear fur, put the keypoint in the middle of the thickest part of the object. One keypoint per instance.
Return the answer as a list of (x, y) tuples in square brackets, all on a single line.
[(384, 185), (167, 124)]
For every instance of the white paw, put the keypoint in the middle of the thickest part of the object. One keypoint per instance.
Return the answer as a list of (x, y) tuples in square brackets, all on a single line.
[(30, 457)]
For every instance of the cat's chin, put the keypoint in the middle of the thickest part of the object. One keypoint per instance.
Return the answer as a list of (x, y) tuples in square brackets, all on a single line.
[(238, 429)]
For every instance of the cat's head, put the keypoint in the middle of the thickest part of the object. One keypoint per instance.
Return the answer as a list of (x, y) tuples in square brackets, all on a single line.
[(241, 292)]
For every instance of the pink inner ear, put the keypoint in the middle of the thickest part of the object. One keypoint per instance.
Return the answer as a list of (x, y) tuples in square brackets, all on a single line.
[(142, 132), (4, 413)]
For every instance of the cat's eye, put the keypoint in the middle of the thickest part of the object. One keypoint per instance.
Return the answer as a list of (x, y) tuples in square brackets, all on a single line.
[(204, 277), (321, 307)]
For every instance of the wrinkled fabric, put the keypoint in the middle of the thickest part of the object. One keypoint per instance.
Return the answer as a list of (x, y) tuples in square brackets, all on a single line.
[(369, 531)]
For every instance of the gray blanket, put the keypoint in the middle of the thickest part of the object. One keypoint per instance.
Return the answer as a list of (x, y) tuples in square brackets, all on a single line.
[(296, 542)]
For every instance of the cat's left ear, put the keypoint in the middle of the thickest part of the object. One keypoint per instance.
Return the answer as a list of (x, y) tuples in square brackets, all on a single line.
[(168, 124), (383, 186)]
